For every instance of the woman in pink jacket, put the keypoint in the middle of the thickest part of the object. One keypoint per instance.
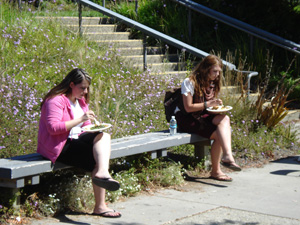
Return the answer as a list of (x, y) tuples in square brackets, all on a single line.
[(64, 111)]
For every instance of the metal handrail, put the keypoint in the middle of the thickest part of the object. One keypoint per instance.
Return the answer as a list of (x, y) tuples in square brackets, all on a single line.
[(254, 31), (147, 30), (156, 34)]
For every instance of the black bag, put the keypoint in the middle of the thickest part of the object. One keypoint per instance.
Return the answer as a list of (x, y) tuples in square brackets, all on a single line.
[(173, 98)]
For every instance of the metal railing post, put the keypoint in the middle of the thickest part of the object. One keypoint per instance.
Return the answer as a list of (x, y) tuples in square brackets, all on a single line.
[(145, 52), (19, 5), (103, 3), (190, 24), (136, 7), (80, 17), (251, 74)]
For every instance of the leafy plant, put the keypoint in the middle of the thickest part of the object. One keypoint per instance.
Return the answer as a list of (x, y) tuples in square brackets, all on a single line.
[(158, 173), (271, 114), (130, 185)]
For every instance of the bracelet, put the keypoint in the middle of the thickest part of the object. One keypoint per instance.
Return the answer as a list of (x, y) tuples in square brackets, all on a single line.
[(205, 105)]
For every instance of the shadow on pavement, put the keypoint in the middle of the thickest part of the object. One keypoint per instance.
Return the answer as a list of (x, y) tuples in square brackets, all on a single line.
[(63, 218), (284, 172), (288, 160), (200, 180)]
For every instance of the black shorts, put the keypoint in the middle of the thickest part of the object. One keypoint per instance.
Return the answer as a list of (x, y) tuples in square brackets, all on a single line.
[(187, 123), (79, 152)]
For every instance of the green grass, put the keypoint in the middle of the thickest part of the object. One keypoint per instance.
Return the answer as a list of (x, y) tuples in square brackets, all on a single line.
[(36, 54)]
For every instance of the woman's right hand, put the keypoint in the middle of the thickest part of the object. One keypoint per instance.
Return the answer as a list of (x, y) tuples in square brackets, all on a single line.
[(89, 115)]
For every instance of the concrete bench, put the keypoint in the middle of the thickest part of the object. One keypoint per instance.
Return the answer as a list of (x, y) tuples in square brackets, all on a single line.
[(16, 172)]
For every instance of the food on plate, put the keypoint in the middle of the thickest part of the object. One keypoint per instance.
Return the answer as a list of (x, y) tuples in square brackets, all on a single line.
[(95, 127), (221, 107), (225, 107), (101, 126)]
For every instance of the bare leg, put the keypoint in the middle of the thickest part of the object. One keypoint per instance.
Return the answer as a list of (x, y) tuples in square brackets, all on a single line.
[(100, 206), (101, 150), (216, 153), (223, 133), (222, 139)]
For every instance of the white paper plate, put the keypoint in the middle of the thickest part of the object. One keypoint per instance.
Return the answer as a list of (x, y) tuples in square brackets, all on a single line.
[(220, 109), (88, 127)]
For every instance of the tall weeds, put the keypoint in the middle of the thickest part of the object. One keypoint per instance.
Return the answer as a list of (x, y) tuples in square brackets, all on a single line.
[(37, 54)]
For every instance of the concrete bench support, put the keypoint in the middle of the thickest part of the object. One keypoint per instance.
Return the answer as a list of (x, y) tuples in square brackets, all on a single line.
[(202, 152)]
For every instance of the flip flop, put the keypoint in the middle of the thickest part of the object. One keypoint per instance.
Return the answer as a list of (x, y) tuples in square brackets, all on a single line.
[(106, 183), (231, 165), (222, 177), (106, 214)]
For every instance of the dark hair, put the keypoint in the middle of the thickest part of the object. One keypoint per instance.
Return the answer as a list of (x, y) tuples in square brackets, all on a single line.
[(76, 76), (200, 74)]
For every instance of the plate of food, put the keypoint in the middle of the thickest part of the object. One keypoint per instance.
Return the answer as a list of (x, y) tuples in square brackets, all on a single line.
[(219, 109), (96, 128)]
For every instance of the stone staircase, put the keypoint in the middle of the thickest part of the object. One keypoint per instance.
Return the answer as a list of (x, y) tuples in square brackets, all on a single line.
[(106, 31)]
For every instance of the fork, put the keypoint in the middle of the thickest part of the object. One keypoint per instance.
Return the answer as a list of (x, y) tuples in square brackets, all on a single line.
[(96, 122)]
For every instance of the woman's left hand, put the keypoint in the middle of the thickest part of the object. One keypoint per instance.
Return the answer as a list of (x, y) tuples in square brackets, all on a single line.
[(214, 102)]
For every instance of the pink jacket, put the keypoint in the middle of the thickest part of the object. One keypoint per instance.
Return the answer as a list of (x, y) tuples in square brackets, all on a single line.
[(53, 134)]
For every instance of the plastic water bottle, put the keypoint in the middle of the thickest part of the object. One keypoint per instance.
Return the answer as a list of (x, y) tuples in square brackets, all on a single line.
[(173, 126)]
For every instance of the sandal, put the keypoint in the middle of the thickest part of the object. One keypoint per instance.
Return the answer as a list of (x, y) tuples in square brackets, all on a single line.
[(222, 177), (106, 183), (231, 165), (107, 214)]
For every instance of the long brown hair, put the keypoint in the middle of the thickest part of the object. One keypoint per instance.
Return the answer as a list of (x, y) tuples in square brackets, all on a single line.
[(199, 75), (76, 76)]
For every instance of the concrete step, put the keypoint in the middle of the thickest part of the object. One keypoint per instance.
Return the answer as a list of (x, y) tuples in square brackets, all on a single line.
[(160, 67), (85, 20), (139, 51), (292, 115), (122, 43), (108, 28), (179, 74), (107, 36), (252, 97), (230, 90), (157, 58), (106, 31)]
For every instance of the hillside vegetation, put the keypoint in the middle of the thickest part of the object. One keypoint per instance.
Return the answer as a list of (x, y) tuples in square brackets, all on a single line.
[(279, 17), (36, 54)]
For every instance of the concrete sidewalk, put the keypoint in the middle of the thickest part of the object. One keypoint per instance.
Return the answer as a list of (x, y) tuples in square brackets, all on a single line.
[(268, 195)]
